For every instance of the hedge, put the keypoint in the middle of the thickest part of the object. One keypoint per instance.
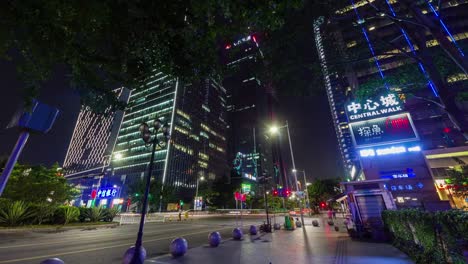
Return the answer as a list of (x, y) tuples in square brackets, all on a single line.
[(440, 237)]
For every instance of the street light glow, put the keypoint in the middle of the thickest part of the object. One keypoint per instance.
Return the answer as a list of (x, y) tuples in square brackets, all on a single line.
[(294, 170), (202, 178), (274, 130), (118, 156)]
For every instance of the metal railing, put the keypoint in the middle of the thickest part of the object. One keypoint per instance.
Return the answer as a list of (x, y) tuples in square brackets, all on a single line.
[(134, 218)]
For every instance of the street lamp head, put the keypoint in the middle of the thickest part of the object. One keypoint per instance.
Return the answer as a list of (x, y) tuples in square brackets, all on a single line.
[(166, 131), (157, 124), (118, 156), (146, 137), (143, 128), (274, 130), (294, 170), (308, 183), (202, 178)]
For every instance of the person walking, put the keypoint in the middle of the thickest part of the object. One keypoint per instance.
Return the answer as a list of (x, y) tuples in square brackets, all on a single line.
[(330, 214)]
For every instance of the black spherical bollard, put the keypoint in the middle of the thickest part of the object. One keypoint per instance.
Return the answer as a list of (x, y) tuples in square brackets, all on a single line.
[(237, 233), (298, 224), (52, 261), (214, 238), (277, 226), (128, 256), (178, 247), (315, 223), (253, 230)]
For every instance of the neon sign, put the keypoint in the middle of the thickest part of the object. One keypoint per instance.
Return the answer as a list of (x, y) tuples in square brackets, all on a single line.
[(371, 152), (374, 107), (383, 130), (398, 174), (404, 187), (242, 40), (106, 192)]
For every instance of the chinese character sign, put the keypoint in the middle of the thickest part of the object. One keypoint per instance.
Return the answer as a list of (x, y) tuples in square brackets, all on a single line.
[(370, 108), (106, 193), (396, 128)]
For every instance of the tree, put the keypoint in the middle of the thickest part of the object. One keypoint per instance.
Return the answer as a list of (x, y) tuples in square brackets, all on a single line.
[(38, 184), (458, 181), (105, 44), (322, 190), (136, 191)]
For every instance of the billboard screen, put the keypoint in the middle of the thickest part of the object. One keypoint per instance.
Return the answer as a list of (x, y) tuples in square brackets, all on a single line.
[(383, 130)]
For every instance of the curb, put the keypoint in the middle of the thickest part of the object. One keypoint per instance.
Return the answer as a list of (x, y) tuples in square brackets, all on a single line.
[(56, 229)]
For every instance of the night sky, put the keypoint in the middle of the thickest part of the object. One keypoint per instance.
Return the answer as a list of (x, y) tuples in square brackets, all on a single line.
[(313, 136)]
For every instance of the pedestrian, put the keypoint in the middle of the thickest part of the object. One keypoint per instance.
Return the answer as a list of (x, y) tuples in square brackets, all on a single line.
[(180, 215), (334, 214), (330, 214)]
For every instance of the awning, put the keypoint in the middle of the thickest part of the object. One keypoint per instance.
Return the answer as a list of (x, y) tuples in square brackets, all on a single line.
[(338, 198)]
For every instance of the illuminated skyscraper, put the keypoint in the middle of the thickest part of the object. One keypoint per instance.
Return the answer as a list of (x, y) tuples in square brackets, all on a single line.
[(250, 109), (93, 140), (196, 114), (371, 43)]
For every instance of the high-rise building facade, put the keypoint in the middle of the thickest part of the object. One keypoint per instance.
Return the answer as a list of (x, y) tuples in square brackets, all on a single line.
[(93, 140), (250, 110), (365, 51), (90, 151), (196, 113)]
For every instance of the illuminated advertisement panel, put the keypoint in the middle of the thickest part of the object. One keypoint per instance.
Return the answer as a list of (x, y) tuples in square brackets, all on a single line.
[(383, 130)]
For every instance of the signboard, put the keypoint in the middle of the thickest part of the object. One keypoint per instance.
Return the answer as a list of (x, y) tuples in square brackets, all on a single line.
[(198, 203), (246, 187), (404, 187), (387, 150), (398, 174), (383, 105), (106, 192), (239, 196), (250, 176), (383, 130)]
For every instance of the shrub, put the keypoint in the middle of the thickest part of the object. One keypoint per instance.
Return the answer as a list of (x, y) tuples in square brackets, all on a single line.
[(95, 214), (15, 213), (110, 214), (429, 237), (43, 212), (83, 214), (66, 214)]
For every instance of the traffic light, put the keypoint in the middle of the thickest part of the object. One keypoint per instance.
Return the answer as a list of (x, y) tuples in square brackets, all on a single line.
[(275, 192), (287, 193), (323, 205), (181, 202), (446, 136)]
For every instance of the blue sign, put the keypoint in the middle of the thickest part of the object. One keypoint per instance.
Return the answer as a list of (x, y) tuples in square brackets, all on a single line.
[(106, 193), (404, 187), (397, 174)]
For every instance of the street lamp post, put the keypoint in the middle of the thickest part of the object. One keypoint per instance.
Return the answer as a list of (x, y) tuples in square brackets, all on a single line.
[(305, 186), (145, 133), (275, 129), (196, 193)]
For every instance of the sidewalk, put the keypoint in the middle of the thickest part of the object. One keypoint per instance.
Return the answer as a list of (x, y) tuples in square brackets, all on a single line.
[(317, 245)]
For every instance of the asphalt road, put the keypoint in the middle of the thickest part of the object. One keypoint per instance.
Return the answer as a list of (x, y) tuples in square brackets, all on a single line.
[(107, 245)]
